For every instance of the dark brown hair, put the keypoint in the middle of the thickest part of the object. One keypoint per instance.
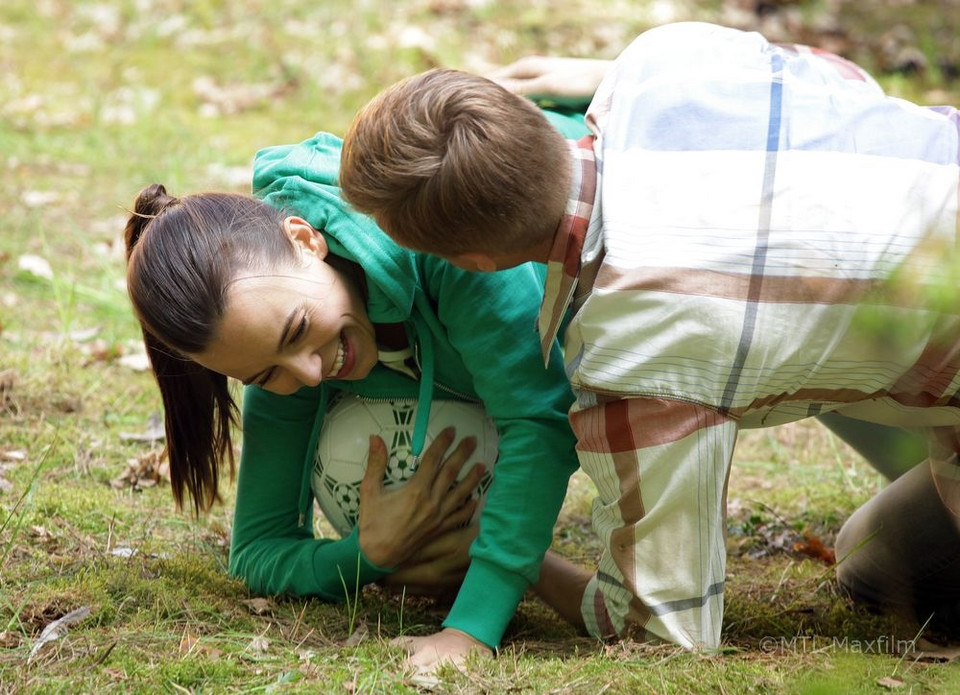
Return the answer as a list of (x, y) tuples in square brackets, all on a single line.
[(182, 254), (448, 162)]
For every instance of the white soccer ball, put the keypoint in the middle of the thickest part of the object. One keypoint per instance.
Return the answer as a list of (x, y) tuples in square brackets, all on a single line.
[(342, 448)]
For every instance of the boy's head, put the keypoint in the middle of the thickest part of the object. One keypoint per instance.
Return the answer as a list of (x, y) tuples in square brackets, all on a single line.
[(453, 164)]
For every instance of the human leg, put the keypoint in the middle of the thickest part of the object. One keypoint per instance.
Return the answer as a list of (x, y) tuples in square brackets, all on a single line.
[(890, 450), (660, 468), (561, 586), (900, 552)]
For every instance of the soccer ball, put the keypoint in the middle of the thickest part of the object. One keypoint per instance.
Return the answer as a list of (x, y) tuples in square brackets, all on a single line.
[(342, 448)]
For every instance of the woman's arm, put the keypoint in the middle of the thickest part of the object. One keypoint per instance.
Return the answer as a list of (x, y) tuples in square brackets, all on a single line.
[(274, 549), (489, 320)]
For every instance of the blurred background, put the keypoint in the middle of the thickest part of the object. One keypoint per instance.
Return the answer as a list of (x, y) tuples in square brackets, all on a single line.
[(99, 98)]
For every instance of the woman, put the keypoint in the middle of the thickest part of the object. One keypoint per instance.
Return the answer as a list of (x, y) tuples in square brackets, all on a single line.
[(299, 297)]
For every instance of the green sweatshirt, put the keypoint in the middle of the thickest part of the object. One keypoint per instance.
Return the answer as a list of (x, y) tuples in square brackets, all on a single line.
[(474, 335)]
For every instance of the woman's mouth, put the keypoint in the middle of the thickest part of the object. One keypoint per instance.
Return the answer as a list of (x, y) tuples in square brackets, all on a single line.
[(340, 360)]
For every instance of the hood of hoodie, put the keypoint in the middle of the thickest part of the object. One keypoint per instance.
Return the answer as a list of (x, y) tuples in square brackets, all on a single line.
[(301, 180)]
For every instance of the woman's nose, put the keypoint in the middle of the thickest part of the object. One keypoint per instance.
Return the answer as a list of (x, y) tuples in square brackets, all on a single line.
[(307, 369)]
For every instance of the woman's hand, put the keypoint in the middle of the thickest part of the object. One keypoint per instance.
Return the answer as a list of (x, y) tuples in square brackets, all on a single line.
[(394, 524), (449, 646), (436, 569), (552, 77)]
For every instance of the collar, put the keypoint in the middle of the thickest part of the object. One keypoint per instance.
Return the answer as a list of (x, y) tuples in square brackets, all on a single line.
[(563, 264)]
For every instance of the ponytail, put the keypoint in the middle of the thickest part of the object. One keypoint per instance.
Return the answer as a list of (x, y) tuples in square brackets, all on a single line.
[(181, 256), (198, 415), (151, 201)]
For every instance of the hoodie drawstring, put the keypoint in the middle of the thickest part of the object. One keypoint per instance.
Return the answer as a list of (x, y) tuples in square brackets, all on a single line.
[(425, 396)]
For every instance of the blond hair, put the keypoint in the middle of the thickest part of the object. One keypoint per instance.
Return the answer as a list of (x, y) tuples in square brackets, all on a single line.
[(448, 162)]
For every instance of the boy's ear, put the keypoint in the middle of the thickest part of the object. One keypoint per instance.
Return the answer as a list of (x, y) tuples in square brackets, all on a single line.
[(474, 261), (303, 235)]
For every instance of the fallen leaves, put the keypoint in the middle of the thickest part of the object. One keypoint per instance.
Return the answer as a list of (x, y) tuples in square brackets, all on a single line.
[(890, 683), (813, 547), (228, 99), (260, 606), (36, 266), (759, 531), (190, 645), (145, 471), (8, 382)]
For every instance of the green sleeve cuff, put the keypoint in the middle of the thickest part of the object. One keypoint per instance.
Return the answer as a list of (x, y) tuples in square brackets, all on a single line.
[(350, 566), (486, 602)]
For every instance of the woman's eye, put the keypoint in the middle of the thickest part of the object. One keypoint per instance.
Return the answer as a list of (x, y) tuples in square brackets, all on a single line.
[(265, 379), (301, 329)]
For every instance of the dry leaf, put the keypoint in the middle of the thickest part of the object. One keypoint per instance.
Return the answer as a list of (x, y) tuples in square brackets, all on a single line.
[(187, 643), (8, 379), (258, 645), (9, 639), (123, 552), (84, 335), (358, 636), (190, 644), (260, 606), (39, 199), (890, 683), (925, 650), (138, 362), (35, 265), (813, 547), (144, 472), (102, 351)]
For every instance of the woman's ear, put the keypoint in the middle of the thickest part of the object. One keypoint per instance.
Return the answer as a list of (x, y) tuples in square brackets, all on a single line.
[(303, 235)]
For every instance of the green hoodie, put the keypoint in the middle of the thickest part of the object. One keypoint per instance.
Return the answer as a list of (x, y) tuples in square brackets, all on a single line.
[(474, 337)]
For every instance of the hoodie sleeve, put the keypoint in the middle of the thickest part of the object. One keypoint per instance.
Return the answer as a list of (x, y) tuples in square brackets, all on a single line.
[(273, 548), (489, 319)]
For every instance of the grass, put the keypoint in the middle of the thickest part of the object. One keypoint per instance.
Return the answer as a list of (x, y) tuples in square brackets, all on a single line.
[(98, 99)]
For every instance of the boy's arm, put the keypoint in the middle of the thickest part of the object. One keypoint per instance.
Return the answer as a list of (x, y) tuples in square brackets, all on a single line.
[(564, 81)]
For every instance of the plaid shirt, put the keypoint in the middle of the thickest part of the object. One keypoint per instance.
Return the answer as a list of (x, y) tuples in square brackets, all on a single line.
[(767, 240)]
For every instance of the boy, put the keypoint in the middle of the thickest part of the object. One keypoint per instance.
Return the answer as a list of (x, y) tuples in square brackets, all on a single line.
[(752, 235)]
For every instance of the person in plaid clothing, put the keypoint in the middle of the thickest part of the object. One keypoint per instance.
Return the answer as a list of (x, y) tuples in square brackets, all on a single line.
[(751, 235)]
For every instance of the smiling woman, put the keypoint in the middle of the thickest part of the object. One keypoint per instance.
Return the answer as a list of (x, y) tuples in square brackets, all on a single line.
[(301, 298), (325, 334)]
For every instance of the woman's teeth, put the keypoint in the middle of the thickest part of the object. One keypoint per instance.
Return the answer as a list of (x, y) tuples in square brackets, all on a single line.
[(341, 357)]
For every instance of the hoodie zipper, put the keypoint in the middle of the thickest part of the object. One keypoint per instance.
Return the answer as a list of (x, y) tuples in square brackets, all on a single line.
[(442, 387)]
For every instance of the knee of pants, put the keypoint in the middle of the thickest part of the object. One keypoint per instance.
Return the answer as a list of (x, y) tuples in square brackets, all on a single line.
[(901, 550)]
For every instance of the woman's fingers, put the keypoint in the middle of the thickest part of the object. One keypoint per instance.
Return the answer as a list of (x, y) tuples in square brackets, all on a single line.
[(453, 463), (372, 483), (460, 516), (432, 460)]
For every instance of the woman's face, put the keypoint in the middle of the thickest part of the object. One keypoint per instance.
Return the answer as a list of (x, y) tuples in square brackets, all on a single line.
[(295, 326)]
